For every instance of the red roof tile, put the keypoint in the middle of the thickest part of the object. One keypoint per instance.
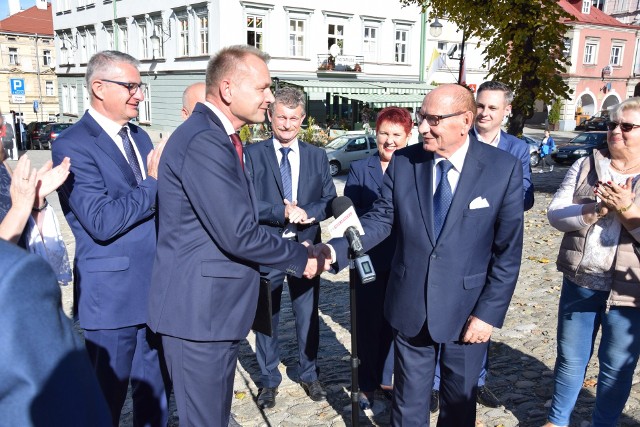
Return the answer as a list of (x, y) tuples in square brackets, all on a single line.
[(595, 15), (30, 21)]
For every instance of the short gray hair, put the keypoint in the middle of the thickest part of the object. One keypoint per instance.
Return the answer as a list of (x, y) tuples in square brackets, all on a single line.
[(226, 61), (101, 62), (290, 97), (628, 104), (496, 85)]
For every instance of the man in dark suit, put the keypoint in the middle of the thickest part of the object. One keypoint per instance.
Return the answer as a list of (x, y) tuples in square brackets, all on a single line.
[(493, 100), (456, 207), (46, 375), (294, 190), (109, 202), (205, 280)]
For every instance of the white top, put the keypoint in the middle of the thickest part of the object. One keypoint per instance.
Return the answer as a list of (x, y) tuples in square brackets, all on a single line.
[(112, 128), (457, 159), (493, 143), (601, 241)]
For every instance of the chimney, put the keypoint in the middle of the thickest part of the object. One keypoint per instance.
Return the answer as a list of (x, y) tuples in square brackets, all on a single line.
[(41, 4), (14, 7)]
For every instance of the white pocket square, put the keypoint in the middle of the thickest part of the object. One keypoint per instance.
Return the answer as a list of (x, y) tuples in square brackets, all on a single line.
[(479, 203)]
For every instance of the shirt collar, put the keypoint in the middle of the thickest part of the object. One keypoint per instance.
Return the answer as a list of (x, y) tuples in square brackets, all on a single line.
[(226, 123), (495, 141), (457, 158), (109, 126), (294, 145)]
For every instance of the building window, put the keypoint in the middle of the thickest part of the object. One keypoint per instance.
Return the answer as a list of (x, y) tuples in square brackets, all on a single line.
[(85, 98), (73, 99), (46, 57), (92, 46), (335, 35), (48, 88), (616, 55), (159, 30), (586, 6), (203, 33), (590, 52), (13, 56), (254, 31), (63, 5), (66, 106), (296, 37), (370, 48), (401, 46), (108, 31), (183, 35), (143, 39), (123, 38), (144, 108)]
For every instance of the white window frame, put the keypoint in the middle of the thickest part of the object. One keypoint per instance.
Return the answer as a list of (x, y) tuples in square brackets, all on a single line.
[(184, 34), (158, 26), (49, 89), (202, 30), (615, 59), (257, 10), (401, 57), (66, 106), (46, 57), (109, 35), (334, 33), (144, 44), (590, 56), (259, 32), (144, 108), (14, 59), (586, 6), (297, 37), (86, 99), (73, 99), (63, 6), (123, 37)]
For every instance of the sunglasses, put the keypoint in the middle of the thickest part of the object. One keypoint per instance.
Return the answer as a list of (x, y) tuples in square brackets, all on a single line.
[(624, 127)]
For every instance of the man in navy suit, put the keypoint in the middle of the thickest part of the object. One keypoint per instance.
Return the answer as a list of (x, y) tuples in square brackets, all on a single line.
[(294, 190), (109, 200), (456, 207), (205, 280), (46, 375), (494, 105)]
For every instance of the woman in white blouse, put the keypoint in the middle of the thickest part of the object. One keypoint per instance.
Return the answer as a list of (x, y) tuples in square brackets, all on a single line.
[(596, 208)]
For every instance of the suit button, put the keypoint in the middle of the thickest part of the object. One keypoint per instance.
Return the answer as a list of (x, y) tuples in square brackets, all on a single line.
[(434, 256)]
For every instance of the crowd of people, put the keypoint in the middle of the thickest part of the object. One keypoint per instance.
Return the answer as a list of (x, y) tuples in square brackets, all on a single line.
[(174, 242)]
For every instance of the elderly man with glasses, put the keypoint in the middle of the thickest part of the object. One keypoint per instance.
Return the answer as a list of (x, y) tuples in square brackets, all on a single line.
[(109, 201)]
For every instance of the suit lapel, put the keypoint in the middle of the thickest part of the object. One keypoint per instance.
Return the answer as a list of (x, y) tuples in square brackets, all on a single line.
[(424, 184), (302, 177), (469, 178), (272, 160), (375, 170)]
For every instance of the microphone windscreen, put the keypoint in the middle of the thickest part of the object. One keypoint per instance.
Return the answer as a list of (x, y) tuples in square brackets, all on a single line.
[(339, 205)]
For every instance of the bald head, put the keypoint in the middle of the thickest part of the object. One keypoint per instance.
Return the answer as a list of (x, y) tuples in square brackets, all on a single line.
[(191, 95), (449, 111)]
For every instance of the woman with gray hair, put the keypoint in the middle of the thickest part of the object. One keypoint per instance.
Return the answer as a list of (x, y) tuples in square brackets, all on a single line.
[(596, 207)]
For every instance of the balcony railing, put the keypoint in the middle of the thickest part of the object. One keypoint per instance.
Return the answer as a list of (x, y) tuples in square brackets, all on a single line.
[(348, 63)]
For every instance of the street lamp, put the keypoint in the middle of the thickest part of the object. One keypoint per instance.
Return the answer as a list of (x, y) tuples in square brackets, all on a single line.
[(435, 29)]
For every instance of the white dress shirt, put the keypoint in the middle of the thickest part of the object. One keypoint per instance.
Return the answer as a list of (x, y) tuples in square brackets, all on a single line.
[(294, 160), (457, 159)]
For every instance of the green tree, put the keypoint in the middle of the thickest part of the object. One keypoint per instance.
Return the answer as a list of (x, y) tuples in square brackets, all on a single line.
[(554, 113), (525, 45)]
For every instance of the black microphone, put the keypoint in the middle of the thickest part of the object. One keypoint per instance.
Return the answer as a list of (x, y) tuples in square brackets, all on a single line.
[(345, 216)]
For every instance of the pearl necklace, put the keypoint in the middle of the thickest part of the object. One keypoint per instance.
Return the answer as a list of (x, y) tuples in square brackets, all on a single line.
[(624, 170)]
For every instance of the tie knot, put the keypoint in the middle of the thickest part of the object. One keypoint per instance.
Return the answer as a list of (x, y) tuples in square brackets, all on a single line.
[(123, 132), (285, 151), (445, 166)]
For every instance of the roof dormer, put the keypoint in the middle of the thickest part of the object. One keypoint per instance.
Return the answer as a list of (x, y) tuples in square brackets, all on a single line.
[(586, 6)]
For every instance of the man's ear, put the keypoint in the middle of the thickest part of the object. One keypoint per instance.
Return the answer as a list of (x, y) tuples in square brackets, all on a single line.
[(98, 88), (225, 90), (269, 115), (507, 110)]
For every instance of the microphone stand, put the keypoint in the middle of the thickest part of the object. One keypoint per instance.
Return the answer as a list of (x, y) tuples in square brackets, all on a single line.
[(353, 279)]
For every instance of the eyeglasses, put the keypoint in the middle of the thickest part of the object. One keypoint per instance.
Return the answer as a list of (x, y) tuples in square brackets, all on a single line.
[(131, 87), (624, 127), (434, 120)]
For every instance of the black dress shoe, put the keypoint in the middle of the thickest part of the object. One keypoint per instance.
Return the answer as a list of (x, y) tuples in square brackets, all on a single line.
[(435, 401), (267, 397), (315, 390), (486, 398)]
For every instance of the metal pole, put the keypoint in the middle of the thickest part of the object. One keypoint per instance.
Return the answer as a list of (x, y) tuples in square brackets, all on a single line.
[(423, 35), (462, 65), (355, 388), (39, 83)]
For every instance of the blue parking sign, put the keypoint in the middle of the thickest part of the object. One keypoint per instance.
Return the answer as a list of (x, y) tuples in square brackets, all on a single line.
[(17, 86)]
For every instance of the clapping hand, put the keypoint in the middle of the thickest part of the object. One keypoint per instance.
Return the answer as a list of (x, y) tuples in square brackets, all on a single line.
[(295, 214), (49, 179)]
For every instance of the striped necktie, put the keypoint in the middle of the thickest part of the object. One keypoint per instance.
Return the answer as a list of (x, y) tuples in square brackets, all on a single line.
[(285, 173), (131, 154)]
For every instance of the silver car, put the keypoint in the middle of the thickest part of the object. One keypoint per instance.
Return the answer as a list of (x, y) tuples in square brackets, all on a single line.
[(347, 148)]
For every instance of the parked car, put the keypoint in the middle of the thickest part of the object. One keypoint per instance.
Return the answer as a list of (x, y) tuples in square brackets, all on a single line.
[(580, 146), (34, 132), (347, 148), (534, 150), (50, 133), (596, 123)]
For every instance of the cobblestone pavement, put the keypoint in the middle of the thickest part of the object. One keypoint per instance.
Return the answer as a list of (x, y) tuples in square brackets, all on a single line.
[(522, 354)]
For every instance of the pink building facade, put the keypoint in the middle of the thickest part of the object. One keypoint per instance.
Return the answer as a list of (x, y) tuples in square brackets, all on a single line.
[(603, 54)]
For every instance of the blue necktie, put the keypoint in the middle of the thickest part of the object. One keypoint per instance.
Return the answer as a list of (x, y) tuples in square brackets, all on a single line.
[(131, 154), (442, 197), (285, 173)]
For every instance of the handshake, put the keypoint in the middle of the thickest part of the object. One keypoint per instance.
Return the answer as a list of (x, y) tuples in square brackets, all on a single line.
[(319, 259)]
